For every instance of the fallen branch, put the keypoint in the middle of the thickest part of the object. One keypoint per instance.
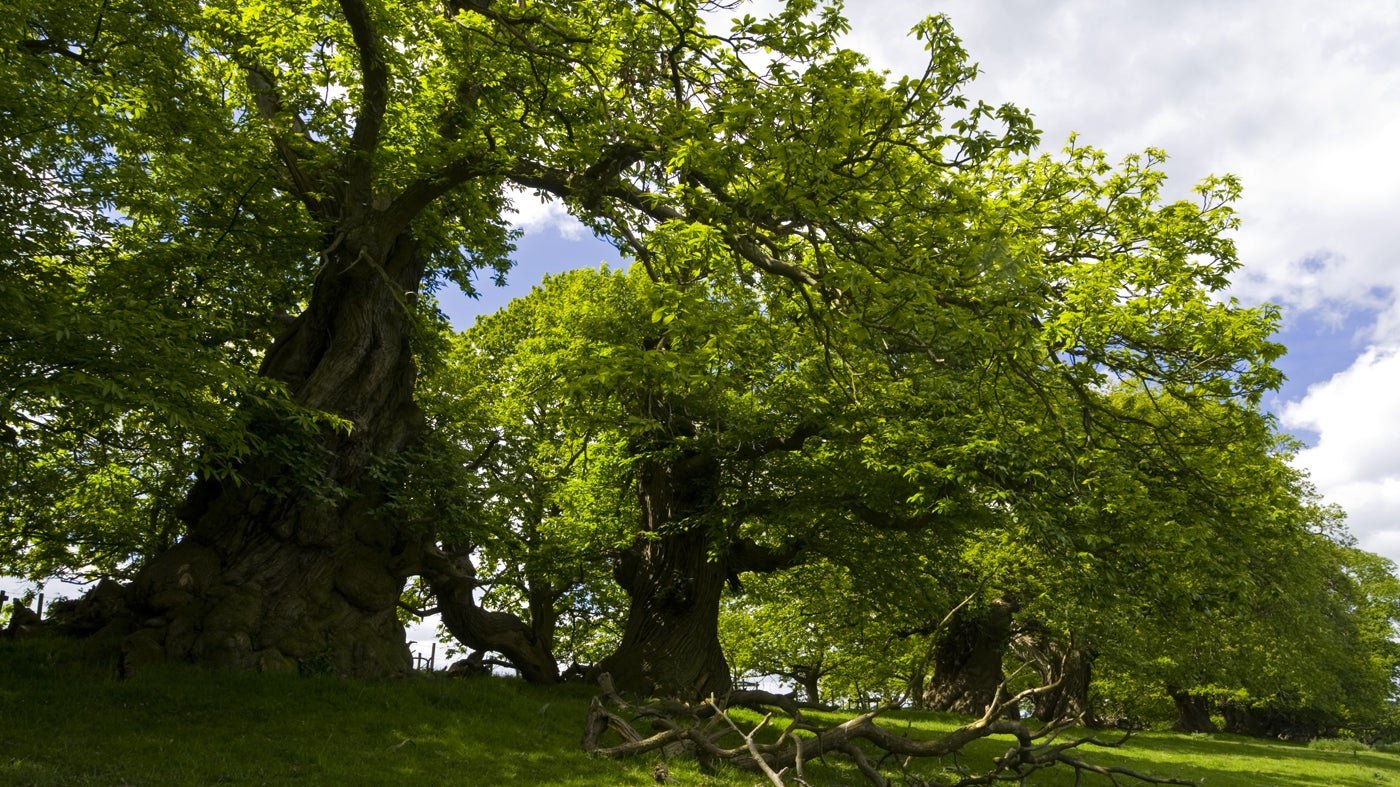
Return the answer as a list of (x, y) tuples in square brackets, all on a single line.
[(707, 732)]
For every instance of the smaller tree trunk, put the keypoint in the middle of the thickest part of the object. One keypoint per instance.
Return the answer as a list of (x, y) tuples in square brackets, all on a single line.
[(967, 659), (670, 645), (452, 578), (1192, 712)]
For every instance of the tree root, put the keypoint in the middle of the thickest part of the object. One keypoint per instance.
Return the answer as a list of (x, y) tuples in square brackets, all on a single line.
[(707, 732)]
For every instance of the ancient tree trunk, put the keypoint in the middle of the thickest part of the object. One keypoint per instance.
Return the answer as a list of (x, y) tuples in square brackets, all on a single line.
[(293, 565), (1192, 712), (670, 644), (967, 659)]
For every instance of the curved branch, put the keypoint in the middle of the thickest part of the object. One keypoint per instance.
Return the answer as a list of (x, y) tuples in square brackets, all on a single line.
[(453, 582), (422, 192), (268, 101)]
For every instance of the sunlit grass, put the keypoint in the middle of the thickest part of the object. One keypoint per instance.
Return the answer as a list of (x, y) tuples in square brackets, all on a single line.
[(63, 721)]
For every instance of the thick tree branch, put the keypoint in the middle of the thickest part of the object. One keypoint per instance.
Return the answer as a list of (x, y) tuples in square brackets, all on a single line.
[(306, 186), (48, 46), (421, 193), (453, 582), (374, 99), (748, 555), (793, 441)]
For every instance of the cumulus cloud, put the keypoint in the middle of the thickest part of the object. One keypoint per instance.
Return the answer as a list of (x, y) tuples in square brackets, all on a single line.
[(533, 213), (1356, 458)]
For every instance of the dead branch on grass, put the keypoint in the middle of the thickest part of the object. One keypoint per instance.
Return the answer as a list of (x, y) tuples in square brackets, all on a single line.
[(706, 731)]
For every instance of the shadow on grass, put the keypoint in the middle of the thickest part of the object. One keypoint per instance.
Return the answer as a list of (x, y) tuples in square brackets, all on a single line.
[(66, 722)]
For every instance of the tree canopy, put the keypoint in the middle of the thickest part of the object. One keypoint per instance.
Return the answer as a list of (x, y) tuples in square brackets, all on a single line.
[(880, 374)]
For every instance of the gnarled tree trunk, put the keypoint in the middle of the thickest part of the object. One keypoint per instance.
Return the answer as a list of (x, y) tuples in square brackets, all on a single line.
[(275, 574), (670, 644), (967, 659)]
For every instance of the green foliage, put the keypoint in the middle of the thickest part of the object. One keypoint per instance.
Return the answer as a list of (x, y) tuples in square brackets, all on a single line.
[(815, 623), (141, 284), (925, 361)]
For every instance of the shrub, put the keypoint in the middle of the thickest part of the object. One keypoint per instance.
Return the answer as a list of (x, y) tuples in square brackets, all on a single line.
[(1338, 744)]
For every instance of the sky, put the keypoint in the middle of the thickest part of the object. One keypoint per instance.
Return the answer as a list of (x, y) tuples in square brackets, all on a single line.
[(1300, 99)]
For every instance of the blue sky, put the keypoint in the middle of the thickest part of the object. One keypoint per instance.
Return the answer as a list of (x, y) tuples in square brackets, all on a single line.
[(1300, 99)]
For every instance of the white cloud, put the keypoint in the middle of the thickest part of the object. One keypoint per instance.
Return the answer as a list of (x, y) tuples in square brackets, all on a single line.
[(1373, 514), (1356, 461), (535, 214)]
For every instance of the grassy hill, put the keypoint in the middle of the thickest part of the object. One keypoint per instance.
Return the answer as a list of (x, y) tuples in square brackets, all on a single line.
[(65, 722)]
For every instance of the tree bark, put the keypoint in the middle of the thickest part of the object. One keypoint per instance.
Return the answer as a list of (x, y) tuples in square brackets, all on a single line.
[(670, 644), (967, 659), (1192, 712), (453, 581), (276, 573), (1065, 664)]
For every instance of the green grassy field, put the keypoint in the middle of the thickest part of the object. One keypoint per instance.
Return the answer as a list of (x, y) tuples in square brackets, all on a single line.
[(63, 722)]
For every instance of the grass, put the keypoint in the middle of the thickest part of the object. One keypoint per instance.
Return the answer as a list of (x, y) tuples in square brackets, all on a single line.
[(64, 722)]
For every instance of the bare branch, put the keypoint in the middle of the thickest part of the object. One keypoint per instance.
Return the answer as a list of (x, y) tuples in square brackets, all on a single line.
[(773, 776), (702, 730)]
